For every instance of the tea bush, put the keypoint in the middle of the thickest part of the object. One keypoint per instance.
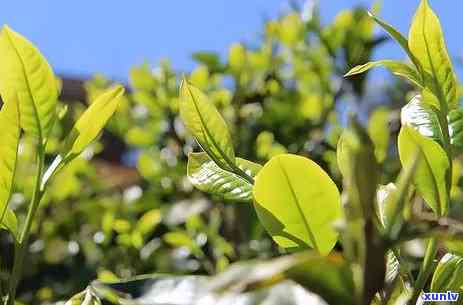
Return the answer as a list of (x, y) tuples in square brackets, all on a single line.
[(74, 215)]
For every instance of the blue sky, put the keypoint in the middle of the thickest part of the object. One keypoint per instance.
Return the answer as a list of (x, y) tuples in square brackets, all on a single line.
[(88, 36)]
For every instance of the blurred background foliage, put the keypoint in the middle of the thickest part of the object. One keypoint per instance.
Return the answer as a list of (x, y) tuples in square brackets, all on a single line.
[(125, 207)]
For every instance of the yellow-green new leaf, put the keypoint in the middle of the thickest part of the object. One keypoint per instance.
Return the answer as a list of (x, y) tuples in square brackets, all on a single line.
[(206, 124), (9, 141), (92, 121), (297, 203), (25, 73), (397, 36), (426, 42), (396, 67), (205, 175), (432, 176)]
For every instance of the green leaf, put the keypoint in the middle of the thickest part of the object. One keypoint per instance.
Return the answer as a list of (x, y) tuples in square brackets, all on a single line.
[(401, 40), (432, 177), (426, 42), (396, 67), (378, 130), (297, 203), (92, 121), (447, 276), (25, 73), (86, 129), (205, 175), (10, 222), (9, 141), (423, 118), (203, 120)]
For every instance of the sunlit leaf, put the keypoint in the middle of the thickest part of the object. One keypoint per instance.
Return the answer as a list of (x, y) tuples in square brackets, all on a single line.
[(25, 73), (423, 117), (297, 203), (397, 36), (208, 177), (86, 129), (92, 121), (426, 42), (432, 177), (9, 141), (396, 67), (207, 126)]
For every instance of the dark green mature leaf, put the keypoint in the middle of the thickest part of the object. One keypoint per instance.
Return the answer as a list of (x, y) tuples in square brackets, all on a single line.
[(426, 42), (208, 177), (25, 73), (9, 141), (297, 203), (432, 173), (207, 126), (396, 67), (447, 276), (194, 290)]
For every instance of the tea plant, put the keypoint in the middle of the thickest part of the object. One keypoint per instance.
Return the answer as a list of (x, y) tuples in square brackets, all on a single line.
[(29, 90), (359, 239)]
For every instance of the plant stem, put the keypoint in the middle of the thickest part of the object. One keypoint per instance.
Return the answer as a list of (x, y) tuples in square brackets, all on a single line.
[(23, 239), (426, 269)]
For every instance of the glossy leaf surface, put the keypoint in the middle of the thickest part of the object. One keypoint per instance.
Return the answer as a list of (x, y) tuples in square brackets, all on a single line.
[(396, 67), (206, 124), (426, 42), (205, 175), (447, 276), (432, 173), (297, 203)]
